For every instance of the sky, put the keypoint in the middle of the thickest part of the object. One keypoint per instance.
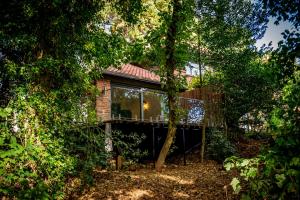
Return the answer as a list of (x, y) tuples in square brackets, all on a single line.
[(273, 33)]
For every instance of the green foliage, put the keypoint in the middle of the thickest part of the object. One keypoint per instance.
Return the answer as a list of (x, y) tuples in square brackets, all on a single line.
[(33, 171), (225, 32), (235, 183), (248, 171), (247, 87), (87, 145), (38, 151), (127, 145), (209, 78), (5, 112), (275, 174), (218, 146), (50, 54)]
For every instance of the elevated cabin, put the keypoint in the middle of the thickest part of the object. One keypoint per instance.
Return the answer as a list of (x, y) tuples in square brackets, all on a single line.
[(131, 95)]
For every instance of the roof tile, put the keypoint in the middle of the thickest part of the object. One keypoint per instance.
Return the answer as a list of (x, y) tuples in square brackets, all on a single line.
[(134, 72)]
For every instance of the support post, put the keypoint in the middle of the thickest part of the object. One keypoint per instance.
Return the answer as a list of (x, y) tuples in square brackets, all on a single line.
[(203, 140), (142, 104), (108, 139), (183, 141), (153, 144)]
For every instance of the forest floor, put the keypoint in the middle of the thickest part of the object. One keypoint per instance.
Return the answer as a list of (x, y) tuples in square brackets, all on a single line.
[(195, 180)]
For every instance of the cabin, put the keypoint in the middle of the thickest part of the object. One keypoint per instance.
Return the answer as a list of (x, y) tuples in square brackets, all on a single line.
[(135, 93), (131, 98)]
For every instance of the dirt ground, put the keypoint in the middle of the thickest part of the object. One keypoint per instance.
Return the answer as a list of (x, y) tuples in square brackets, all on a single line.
[(203, 181), (194, 181)]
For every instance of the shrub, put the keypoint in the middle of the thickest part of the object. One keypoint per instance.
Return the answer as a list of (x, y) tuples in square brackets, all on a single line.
[(35, 160), (127, 145), (275, 173), (218, 146), (87, 145), (38, 168), (33, 170)]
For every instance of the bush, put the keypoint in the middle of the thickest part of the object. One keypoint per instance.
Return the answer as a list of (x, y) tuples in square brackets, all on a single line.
[(35, 160), (38, 169), (218, 146), (127, 145), (33, 170), (87, 145), (275, 173)]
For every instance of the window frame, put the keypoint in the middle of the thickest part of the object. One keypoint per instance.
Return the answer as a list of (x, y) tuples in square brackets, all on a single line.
[(141, 91)]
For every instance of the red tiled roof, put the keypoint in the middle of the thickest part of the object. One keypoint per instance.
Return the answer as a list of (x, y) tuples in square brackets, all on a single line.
[(138, 73), (134, 72)]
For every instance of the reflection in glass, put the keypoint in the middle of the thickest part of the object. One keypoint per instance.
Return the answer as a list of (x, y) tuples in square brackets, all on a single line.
[(125, 102), (144, 104), (154, 105)]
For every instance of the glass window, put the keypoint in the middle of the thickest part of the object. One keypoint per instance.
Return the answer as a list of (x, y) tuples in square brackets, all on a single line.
[(154, 105), (130, 103), (125, 102)]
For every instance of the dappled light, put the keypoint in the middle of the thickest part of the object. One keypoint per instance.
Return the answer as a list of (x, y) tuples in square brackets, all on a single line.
[(180, 195), (139, 194), (175, 179), (193, 181)]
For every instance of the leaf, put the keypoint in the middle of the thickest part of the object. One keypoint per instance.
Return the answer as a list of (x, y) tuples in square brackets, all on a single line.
[(235, 184), (13, 140), (5, 112), (295, 161), (228, 166), (252, 172), (280, 179), (1, 141), (245, 197), (245, 162)]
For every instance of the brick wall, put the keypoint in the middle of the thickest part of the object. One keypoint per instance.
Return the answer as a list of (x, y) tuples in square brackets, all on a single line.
[(103, 107)]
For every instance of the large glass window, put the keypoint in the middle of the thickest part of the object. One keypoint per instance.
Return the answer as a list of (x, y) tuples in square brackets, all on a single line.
[(154, 105), (134, 103), (125, 102), (145, 104)]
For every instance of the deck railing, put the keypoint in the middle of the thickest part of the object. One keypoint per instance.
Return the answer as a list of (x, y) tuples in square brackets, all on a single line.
[(194, 106)]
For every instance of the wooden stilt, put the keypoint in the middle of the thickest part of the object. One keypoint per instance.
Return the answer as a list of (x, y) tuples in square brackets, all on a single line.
[(183, 141)]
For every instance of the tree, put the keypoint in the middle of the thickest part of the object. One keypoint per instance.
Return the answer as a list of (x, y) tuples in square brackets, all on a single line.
[(50, 54), (227, 30), (174, 25), (214, 46), (166, 46), (274, 173), (283, 10)]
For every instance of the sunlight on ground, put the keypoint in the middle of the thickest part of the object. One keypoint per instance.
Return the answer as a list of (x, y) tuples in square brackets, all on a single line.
[(176, 179), (137, 177), (91, 196), (195, 181), (180, 195), (137, 194)]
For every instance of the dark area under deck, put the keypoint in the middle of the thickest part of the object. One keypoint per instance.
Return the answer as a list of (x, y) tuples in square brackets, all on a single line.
[(188, 136)]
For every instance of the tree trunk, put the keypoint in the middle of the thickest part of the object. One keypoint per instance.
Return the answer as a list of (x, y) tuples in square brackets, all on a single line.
[(170, 67), (170, 136)]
